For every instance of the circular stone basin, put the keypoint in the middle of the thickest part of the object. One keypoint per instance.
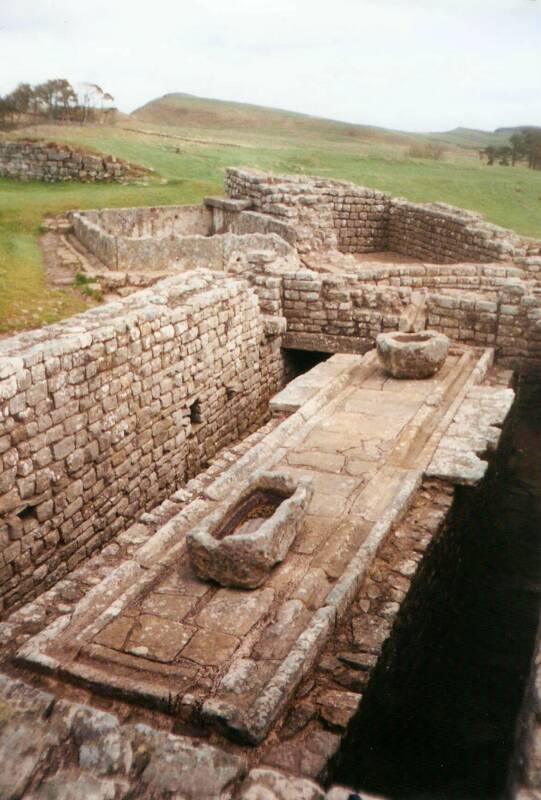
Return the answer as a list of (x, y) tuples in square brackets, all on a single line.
[(412, 355)]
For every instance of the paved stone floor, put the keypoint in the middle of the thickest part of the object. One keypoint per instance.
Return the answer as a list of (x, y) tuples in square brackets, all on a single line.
[(134, 632), (153, 632)]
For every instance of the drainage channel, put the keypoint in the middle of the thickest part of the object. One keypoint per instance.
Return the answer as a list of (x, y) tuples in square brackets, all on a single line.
[(438, 720)]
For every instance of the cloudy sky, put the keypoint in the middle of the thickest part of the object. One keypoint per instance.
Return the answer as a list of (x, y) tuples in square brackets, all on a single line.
[(406, 64)]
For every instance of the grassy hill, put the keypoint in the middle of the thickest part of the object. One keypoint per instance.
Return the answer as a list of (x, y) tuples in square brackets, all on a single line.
[(469, 138), (188, 154), (198, 113)]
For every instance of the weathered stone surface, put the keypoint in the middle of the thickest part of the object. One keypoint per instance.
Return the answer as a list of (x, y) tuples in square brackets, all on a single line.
[(412, 355), (75, 786), (20, 755), (101, 746), (184, 769), (115, 634), (310, 760), (172, 606), (297, 719), (338, 708), (369, 633), (158, 637), (235, 612), (243, 557), (210, 648), (269, 784)]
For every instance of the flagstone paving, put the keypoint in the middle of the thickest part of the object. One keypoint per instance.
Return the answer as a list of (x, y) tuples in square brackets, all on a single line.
[(364, 439)]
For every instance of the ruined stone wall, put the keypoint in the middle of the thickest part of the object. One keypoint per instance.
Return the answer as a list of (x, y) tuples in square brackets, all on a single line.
[(341, 305), (251, 222), (482, 305), (34, 160), (169, 239), (331, 214), (103, 415), (329, 306), (443, 233), (156, 221), (327, 214), (511, 322)]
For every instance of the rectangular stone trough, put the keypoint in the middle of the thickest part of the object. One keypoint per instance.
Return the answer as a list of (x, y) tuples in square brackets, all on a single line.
[(247, 535)]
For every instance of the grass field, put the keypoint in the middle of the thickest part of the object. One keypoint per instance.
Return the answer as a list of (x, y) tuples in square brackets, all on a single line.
[(188, 162)]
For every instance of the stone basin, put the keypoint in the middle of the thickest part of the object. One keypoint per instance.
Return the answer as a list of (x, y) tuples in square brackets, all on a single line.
[(412, 355), (247, 535)]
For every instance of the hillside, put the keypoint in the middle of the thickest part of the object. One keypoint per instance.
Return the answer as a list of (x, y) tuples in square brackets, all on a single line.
[(187, 111), (471, 139)]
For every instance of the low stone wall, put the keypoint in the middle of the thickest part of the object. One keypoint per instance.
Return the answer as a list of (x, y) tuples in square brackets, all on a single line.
[(331, 214), (242, 222), (487, 279), (327, 214), (473, 303), (169, 239), (443, 233), (511, 322), (103, 415), (35, 160), (156, 221), (338, 305)]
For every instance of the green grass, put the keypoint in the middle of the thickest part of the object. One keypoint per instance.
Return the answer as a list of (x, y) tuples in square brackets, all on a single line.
[(186, 171)]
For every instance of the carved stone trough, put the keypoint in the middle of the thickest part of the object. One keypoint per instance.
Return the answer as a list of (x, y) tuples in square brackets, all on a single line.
[(412, 355), (247, 535)]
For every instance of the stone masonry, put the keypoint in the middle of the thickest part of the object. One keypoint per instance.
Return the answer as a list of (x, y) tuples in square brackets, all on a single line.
[(36, 160), (103, 416), (123, 673)]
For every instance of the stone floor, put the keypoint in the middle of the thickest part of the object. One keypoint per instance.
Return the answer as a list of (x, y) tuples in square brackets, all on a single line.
[(283, 667), (154, 633)]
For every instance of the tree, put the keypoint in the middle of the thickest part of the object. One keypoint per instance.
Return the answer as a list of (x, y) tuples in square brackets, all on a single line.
[(55, 99)]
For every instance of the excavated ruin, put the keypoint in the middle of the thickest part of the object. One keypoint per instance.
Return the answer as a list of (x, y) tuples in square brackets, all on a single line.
[(239, 557)]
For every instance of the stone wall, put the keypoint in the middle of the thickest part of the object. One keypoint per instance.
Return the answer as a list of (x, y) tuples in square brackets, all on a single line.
[(446, 234), (36, 160), (331, 313), (169, 239), (511, 322), (327, 214), (331, 214), (103, 415), (483, 305), (157, 221)]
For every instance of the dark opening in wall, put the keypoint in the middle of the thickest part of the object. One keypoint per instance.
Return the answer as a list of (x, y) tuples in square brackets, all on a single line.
[(301, 361), (438, 719), (28, 512), (195, 413)]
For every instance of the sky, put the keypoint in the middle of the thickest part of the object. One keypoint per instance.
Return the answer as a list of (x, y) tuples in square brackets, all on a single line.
[(417, 65)]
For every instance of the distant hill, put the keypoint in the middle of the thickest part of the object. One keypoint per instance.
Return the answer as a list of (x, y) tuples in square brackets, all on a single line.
[(470, 138), (188, 111)]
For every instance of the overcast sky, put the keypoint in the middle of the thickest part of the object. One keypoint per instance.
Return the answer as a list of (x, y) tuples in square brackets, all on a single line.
[(405, 64)]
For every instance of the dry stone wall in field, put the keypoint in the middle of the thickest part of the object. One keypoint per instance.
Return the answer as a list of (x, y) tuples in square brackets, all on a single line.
[(35, 160)]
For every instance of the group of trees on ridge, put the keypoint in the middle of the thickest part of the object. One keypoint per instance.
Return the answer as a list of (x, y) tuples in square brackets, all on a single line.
[(524, 147), (55, 100)]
